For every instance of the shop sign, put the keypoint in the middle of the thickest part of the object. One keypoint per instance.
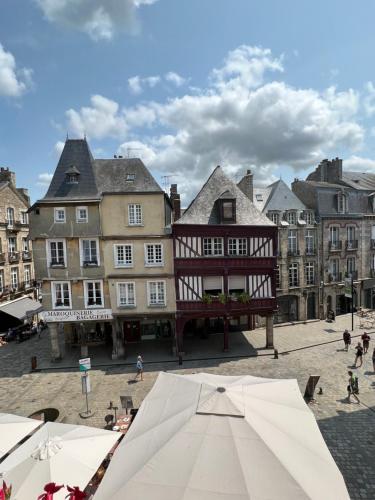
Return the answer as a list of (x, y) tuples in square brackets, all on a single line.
[(78, 315)]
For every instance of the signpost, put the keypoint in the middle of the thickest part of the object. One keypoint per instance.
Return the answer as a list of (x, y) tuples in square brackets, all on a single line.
[(84, 366)]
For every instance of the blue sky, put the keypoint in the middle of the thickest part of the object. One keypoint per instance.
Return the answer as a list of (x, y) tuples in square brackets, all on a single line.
[(187, 85)]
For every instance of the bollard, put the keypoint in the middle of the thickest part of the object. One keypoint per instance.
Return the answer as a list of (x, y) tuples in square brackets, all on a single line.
[(276, 354), (34, 363)]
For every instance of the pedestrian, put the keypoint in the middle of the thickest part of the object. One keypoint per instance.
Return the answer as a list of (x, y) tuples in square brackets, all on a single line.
[(353, 388), (373, 359), (39, 330), (347, 339), (358, 354), (366, 342), (139, 367)]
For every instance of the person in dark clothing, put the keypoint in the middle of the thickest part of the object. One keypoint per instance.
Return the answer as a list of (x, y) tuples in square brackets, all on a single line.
[(366, 342), (358, 354), (347, 339), (352, 387)]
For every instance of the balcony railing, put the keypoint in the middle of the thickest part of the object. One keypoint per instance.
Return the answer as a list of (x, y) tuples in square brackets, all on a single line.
[(335, 246), (57, 263), (13, 257), (293, 252), (13, 290), (351, 244), (335, 277), (231, 306), (2, 258), (90, 263), (27, 255)]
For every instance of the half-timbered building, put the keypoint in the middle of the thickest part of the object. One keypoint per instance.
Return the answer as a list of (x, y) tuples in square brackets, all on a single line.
[(224, 260)]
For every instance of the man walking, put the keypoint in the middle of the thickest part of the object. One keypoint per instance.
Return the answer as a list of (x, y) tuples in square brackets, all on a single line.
[(352, 388), (358, 355), (347, 339), (139, 367), (366, 342)]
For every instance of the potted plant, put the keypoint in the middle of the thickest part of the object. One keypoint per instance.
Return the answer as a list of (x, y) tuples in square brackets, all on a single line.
[(222, 298), (206, 298), (244, 298)]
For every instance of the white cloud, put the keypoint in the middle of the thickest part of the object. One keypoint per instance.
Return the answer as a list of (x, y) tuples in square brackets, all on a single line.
[(44, 179), (175, 78), (13, 82), (59, 146), (136, 149), (100, 19), (369, 100), (241, 118), (136, 83), (359, 164)]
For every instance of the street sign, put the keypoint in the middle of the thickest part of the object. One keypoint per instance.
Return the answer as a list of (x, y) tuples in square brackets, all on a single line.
[(84, 364), (348, 288)]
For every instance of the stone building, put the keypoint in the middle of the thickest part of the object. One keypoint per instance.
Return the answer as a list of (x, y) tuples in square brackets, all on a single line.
[(103, 253), (16, 260), (297, 279), (344, 206)]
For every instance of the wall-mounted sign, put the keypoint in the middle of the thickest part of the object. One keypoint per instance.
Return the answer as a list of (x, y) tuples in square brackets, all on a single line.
[(78, 315)]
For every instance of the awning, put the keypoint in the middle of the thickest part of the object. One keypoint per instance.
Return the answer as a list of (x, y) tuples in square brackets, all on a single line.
[(367, 284), (22, 308)]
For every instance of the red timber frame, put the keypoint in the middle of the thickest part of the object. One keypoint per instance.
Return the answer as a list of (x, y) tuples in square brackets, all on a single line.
[(259, 264)]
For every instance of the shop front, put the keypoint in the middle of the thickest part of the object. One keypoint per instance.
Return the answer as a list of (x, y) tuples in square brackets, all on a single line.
[(287, 309)]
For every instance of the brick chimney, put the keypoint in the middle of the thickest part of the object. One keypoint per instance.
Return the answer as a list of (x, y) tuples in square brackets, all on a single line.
[(7, 176), (246, 185), (176, 202)]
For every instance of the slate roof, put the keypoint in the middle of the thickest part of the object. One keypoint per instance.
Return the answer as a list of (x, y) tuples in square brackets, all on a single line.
[(359, 180), (111, 176), (76, 153), (282, 198), (203, 209), (260, 197)]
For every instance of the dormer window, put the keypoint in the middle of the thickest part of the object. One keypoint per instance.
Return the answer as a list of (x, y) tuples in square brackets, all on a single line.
[(291, 217), (72, 175), (259, 197), (72, 179), (308, 216), (342, 203), (228, 211), (130, 177)]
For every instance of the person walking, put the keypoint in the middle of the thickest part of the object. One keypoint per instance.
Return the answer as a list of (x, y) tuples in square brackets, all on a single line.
[(366, 342), (358, 354), (353, 388), (347, 339), (373, 359), (139, 367)]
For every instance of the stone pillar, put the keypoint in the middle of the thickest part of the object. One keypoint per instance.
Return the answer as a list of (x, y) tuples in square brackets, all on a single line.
[(114, 340), (226, 334), (120, 338), (269, 331), (54, 337)]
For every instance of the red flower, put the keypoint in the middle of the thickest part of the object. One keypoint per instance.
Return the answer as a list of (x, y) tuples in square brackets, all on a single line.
[(5, 491), (75, 493), (49, 490)]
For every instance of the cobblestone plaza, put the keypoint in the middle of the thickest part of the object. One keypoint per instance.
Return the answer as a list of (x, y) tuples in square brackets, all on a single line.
[(314, 348)]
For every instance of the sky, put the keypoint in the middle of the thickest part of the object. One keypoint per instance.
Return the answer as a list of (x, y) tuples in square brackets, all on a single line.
[(187, 85)]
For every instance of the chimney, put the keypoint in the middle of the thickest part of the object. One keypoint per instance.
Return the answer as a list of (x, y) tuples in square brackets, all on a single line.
[(25, 193), (176, 202), (7, 176), (246, 185)]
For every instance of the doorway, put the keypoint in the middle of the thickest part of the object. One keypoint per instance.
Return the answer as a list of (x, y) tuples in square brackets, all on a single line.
[(311, 306), (132, 331)]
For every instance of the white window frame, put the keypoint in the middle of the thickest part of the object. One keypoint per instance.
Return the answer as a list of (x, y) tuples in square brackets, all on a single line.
[(149, 263), (10, 220), (53, 294), (310, 241), (86, 294), (212, 242), (79, 219), (274, 217), (56, 211), (49, 253), (24, 217), (308, 216), (334, 268), (14, 284), (309, 273), (352, 260), (115, 255), (293, 272), (292, 240), (119, 284), (27, 270), (81, 256), (350, 235), (291, 217), (14, 250), (157, 304), (234, 247), (133, 219), (334, 230)]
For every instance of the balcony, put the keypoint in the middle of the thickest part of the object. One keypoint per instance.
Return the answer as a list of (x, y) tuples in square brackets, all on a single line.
[(13, 291), (229, 307), (334, 277), (335, 246), (27, 255), (310, 252), (13, 257), (351, 245), (2, 258), (293, 252)]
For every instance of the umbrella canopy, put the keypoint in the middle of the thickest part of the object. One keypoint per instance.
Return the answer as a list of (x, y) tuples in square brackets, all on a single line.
[(60, 453), (13, 428), (211, 437)]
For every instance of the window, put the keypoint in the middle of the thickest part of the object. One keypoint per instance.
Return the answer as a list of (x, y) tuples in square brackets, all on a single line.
[(308, 216), (59, 214), (310, 273), (126, 294), (274, 217), (10, 216), (212, 246), (25, 245), (334, 236), (291, 217), (153, 254), (334, 267), (72, 178), (61, 295), (292, 242), (130, 177), (93, 293), (14, 277), (12, 244), (123, 255), (27, 276), (213, 285), (258, 196), (310, 241), (350, 266), (293, 274), (56, 252), (156, 293), (278, 277), (89, 252), (24, 217), (228, 210), (342, 203), (350, 231), (236, 284), (1, 281), (135, 215), (81, 214), (237, 246)]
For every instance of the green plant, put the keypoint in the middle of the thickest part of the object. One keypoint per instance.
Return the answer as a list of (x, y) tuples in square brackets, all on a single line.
[(206, 298), (244, 298), (222, 298)]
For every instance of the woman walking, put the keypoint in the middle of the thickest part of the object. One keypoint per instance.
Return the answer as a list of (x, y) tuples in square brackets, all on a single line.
[(347, 339), (358, 354), (139, 367)]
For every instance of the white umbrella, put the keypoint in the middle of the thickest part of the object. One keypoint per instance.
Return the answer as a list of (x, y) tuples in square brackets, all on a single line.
[(211, 437), (60, 453), (13, 429)]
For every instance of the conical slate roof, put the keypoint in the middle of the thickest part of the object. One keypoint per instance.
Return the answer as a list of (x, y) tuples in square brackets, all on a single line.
[(282, 198), (202, 210), (75, 155)]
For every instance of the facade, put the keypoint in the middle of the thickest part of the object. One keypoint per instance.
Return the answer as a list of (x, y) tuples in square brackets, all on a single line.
[(343, 203), (16, 258), (224, 261), (90, 234), (297, 274)]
